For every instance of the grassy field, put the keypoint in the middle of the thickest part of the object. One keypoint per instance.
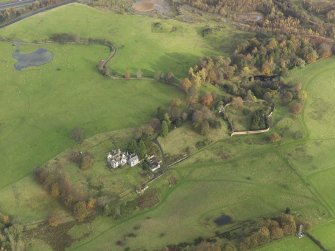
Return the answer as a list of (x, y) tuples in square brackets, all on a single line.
[(43, 104), (149, 51), (313, 157), (229, 176), (291, 243)]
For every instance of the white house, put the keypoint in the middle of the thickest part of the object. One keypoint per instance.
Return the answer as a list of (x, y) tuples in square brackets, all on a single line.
[(133, 160), (117, 158)]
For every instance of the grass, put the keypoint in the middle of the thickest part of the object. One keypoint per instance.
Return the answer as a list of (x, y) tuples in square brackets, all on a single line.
[(149, 51), (313, 157), (230, 176), (242, 117), (291, 243), (325, 233), (235, 174), (44, 103), (178, 140)]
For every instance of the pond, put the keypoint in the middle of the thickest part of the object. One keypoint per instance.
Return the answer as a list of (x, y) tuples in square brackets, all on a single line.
[(223, 220), (39, 57)]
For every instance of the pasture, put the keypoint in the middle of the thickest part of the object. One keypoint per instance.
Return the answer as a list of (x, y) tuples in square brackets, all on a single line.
[(243, 177), (235, 174), (132, 35), (312, 158), (42, 104)]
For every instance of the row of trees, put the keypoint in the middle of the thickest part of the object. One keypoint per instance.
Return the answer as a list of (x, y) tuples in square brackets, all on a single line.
[(278, 16), (12, 13), (12, 238), (262, 232), (58, 185), (224, 7), (257, 56)]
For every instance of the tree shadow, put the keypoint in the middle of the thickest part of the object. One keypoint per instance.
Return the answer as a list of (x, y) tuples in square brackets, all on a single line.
[(177, 63)]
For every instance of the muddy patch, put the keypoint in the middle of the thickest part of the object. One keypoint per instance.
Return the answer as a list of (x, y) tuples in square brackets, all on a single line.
[(223, 220), (160, 6), (144, 6), (39, 57)]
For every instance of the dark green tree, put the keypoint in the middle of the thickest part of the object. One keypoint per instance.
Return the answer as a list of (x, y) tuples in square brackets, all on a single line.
[(165, 129), (142, 149)]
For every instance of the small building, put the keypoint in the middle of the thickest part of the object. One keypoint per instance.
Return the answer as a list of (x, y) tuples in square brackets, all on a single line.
[(141, 188), (154, 163), (300, 233)]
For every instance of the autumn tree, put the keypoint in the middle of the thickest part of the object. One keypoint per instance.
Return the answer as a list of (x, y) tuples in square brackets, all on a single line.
[(127, 74), (55, 218), (207, 100), (55, 190), (296, 108), (325, 50), (4, 219), (275, 137), (91, 204), (288, 224), (80, 211), (310, 55), (185, 85), (237, 102), (267, 68)]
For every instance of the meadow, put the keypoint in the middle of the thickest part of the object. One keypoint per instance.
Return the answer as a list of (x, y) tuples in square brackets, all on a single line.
[(244, 177), (231, 179), (41, 105)]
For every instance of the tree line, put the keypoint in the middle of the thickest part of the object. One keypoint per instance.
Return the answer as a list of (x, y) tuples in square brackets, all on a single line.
[(9, 14), (253, 235), (300, 17)]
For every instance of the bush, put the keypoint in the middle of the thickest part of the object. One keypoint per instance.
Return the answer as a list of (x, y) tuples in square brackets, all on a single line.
[(77, 134), (148, 199), (87, 161), (275, 137), (55, 219), (64, 37), (296, 108)]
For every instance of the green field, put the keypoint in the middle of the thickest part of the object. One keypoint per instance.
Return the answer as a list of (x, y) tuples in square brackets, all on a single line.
[(41, 105), (50, 100), (229, 180), (291, 243), (313, 157), (244, 177)]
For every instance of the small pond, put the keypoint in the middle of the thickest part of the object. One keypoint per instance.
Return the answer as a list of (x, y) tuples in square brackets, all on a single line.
[(223, 220), (39, 57)]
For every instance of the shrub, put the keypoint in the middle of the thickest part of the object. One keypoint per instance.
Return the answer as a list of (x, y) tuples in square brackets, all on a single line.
[(55, 218), (77, 134), (87, 161)]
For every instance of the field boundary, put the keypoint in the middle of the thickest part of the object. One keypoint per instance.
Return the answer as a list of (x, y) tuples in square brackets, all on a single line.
[(249, 132), (15, 20)]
